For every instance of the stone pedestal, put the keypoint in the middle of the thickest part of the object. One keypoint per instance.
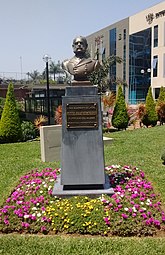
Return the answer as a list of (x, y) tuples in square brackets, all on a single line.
[(82, 150), (82, 141)]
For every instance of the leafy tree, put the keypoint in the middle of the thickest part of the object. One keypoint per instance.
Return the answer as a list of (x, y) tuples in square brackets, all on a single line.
[(99, 76), (120, 116), (150, 117), (10, 125)]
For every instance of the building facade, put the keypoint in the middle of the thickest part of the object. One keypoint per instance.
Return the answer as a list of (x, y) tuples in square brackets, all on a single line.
[(140, 41)]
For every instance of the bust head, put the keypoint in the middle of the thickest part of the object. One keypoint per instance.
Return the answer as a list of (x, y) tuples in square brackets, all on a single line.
[(80, 46)]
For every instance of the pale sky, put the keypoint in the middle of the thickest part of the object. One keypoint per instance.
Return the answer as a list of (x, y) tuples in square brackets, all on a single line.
[(31, 28)]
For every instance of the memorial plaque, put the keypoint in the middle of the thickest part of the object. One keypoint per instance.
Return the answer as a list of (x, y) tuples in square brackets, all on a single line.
[(82, 115)]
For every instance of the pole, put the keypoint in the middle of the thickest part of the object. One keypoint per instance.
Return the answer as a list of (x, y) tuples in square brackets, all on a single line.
[(21, 66), (48, 96)]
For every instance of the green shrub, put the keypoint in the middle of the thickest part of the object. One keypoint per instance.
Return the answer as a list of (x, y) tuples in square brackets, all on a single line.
[(2, 102), (163, 156), (160, 106), (28, 131), (150, 117), (120, 117), (10, 125), (161, 97)]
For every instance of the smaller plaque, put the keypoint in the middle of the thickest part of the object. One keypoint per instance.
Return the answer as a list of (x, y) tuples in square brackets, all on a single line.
[(82, 115)]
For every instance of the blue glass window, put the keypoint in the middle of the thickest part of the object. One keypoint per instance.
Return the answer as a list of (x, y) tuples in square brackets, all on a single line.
[(139, 65)]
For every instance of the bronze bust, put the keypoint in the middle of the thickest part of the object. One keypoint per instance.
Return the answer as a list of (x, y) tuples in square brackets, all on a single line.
[(80, 66)]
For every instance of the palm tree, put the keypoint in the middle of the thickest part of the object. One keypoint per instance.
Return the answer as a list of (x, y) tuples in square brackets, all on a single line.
[(34, 75), (55, 69)]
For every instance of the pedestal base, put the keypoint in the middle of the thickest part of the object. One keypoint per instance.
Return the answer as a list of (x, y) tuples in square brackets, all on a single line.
[(60, 191)]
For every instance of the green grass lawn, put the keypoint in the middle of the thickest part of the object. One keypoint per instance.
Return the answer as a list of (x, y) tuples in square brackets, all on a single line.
[(140, 147)]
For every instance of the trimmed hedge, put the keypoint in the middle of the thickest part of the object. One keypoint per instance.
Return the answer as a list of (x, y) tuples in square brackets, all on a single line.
[(10, 125), (120, 117)]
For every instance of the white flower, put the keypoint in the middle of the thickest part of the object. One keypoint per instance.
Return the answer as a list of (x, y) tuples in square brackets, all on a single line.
[(49, 187), (34, 208), (41, 191), (33, 214), (126, 178), (38, 204), (126, 209), (148, 200), (142, 203), (134, 209), (26, 216), (45, 185), (144, 208), (38, 214), (43, 182), (51, 202), (51, 180)]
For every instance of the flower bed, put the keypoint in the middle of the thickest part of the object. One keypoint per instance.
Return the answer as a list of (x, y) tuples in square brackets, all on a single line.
[(134, 209)]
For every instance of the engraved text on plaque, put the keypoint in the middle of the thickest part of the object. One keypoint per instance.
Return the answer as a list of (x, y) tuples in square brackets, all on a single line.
[(82, 115)]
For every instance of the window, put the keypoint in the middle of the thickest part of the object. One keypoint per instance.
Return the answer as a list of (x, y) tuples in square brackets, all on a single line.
[(124, 34), (155, 36), (112, 35), (139, 59), (155, 66), (113, 41)]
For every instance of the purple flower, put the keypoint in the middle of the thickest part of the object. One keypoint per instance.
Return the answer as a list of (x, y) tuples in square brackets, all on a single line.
[(144, 216), (43, 228), (6, 222), (142, 174), (25, 225), (148, 222), (106, 219), (125, 216), (8, 200), (163, 217), (156, 222)]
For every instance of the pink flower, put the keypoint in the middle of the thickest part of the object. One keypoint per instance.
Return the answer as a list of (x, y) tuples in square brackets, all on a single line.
[(6, 222), (163, 217), (25, 225), (125, 216), (142, 174), (106, 219), (156, 222), (144, 216), (43, 228), (8, 200)]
